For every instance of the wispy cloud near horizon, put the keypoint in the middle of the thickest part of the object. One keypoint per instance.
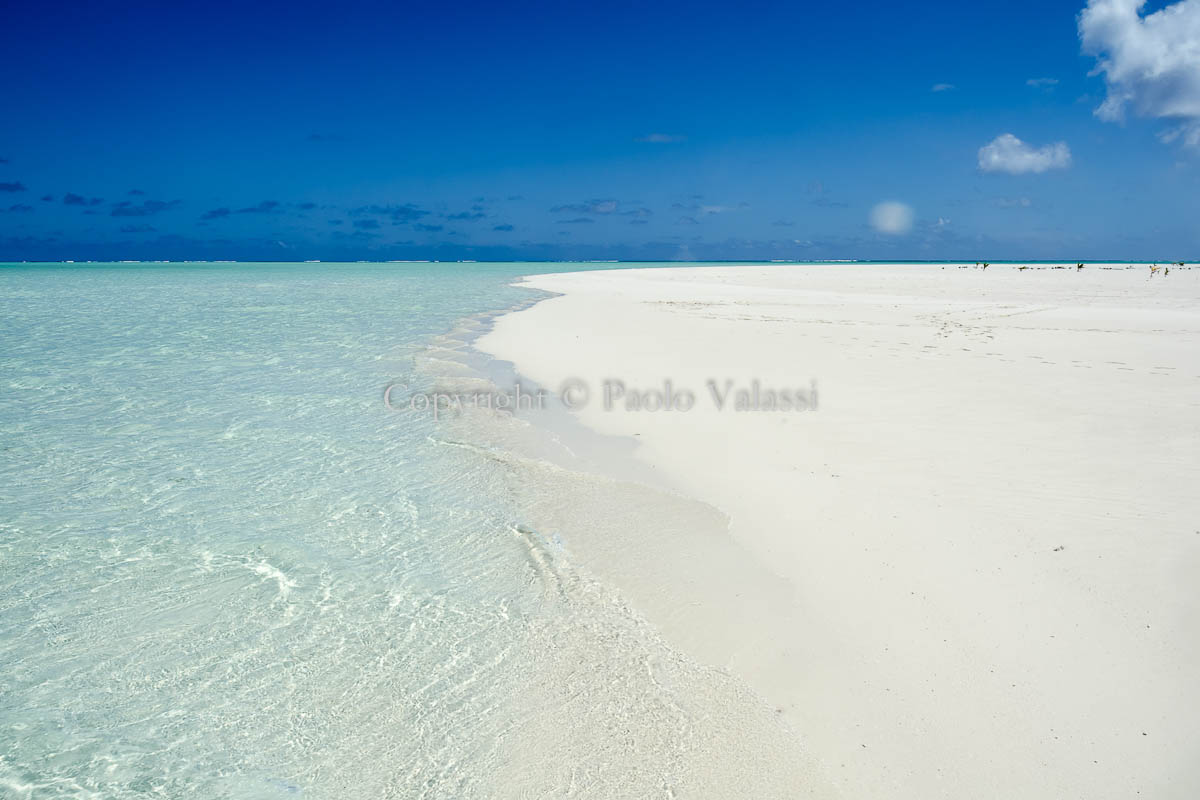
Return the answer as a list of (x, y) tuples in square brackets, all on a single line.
[(72, 199), (147, 208), (602, 206)]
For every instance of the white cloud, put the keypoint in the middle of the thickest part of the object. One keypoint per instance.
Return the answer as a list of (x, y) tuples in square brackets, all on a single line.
[(1150, 64), (1039, 83), (892, 217), (942, 87), (1007, 153)]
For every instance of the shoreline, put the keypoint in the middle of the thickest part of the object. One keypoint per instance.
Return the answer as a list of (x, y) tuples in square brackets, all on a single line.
[(931, 622), (599, 527)]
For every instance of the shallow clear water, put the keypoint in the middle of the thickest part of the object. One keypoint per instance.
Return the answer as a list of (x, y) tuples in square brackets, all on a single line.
[(219, 551), (227, 570)]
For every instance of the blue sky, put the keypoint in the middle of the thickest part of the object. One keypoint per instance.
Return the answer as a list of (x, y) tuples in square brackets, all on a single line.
[(621, 130)]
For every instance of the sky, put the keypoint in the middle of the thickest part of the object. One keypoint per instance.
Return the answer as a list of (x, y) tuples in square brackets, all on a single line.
[(1023, 129)]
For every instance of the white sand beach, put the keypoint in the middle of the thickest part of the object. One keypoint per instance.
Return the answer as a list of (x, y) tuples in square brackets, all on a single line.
[(971, 570)]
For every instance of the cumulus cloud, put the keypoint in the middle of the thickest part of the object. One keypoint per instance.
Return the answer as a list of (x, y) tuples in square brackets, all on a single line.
[(1150, 64), (892, 218), (1007, 153)]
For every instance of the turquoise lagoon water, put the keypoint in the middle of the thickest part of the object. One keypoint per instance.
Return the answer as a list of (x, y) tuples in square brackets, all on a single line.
[(228, 571)]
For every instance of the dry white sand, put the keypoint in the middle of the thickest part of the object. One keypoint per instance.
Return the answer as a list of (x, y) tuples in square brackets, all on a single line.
[(989, 529)]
